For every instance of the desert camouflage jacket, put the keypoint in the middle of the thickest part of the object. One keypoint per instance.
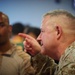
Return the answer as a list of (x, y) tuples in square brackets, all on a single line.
[(43, 65), (46, 66), (67, 62)]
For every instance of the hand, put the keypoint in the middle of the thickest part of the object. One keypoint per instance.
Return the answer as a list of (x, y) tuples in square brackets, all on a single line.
[(30, 44)]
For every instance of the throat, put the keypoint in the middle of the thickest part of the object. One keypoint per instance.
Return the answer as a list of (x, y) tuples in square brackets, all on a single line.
[(5, 48)]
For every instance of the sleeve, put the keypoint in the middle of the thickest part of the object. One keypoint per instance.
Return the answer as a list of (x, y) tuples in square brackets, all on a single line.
[(43, 65)]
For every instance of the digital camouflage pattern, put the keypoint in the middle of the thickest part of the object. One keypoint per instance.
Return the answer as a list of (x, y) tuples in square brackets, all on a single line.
[(67, 62), (43, 65), (46, 66)]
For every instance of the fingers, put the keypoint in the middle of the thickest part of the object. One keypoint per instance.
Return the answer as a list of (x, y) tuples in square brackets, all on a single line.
[(25, 36), (28, 48), (22, 34), (30, 44), (29, 51)]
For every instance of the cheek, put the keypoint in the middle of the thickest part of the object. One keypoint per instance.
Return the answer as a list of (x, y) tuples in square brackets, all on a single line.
[(48, 40), (4, 32), (45, 39)]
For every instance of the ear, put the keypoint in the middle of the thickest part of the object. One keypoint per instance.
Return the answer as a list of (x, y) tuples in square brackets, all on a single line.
[(59, 31)]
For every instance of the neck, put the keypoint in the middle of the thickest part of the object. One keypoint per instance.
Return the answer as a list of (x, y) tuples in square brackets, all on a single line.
[(62, 47), (5, 47)]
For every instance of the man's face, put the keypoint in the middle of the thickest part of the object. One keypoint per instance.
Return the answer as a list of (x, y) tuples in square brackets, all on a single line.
[(4, 31), (47, 37)]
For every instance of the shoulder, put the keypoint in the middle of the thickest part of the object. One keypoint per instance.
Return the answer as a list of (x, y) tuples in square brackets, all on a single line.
[(21, 53), (22, 59), (69, 55), (68, 69), (67, 61)]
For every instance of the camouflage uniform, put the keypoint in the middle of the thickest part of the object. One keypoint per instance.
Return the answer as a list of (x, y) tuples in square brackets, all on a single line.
[(15, 62), (67, 62), (43, 65), (46, 66)]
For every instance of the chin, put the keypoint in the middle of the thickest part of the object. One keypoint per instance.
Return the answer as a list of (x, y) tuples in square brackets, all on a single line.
[(43, 52)]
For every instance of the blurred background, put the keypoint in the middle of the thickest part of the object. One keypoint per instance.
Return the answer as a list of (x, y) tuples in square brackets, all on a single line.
[(31, 11)]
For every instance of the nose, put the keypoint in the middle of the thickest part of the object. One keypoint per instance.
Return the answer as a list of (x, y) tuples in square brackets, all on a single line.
[(39, 37)]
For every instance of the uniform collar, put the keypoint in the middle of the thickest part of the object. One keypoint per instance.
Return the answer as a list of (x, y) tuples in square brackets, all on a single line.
[(10, 51)]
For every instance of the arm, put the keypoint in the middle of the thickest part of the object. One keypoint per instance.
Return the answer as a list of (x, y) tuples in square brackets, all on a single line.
[(43, 65)]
